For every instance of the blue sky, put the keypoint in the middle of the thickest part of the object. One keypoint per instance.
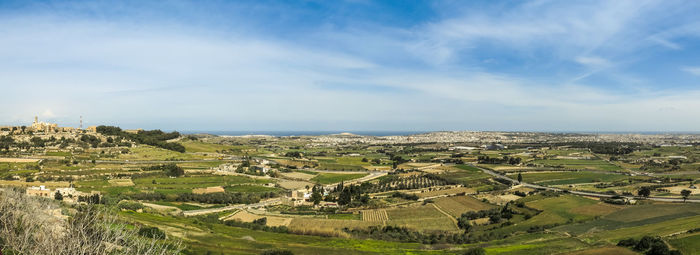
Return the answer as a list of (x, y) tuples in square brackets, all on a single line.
[(353, 65)]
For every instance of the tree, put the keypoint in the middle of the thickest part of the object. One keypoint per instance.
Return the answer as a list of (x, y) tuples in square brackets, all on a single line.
[(463, 223), (520, 177), (685, 193), (658, 248), (495, 218), (644, 192), (262, 221), (345, 197), (152, 232), (58, 196), (316, 195), (173, 170)]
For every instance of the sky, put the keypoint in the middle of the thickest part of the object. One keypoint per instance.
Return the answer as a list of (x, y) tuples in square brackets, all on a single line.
[(353, 65)]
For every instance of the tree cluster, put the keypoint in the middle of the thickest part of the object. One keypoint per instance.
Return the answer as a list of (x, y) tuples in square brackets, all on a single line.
[(504, 160), (155, 138), (171, 169), (224, 198), (648, 245)]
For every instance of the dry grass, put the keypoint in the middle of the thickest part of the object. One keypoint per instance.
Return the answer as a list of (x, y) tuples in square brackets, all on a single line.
[(50, 185), (326, 227), (18, 160), (458, 205), (298, 175), (272, 221), (421, 217), (679, 188), (294, 184), (121, 182)]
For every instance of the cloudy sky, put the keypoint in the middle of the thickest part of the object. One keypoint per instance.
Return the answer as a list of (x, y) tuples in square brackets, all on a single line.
[(353, 65)]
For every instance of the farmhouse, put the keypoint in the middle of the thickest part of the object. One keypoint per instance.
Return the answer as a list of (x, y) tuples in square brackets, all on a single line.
[(292, 201), (300, 194), (40, 191)]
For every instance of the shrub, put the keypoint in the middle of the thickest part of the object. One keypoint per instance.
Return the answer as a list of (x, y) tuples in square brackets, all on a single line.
[(152, 232)]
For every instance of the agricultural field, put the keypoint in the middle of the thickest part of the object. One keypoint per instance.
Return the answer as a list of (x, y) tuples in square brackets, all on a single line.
[(196, 146), (146, 152), (327, 225), (417, 208), (568, 208), (567, 177), (579, 164), (466, 175), (272, 221), (457, 205), (298, 175), (446, 192), (423, 217), (686, 243), (330, 178), (172, 185), (638, 217), (375, 215)]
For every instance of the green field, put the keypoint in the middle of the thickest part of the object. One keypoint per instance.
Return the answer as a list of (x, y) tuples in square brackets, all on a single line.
[(195, 146), (425, 218), (339, 167), (178, 185), (592, 164), (688, 244), (466, 174), (561, 178), (567, 208), (329, 178), (634, 216), (146, 152)]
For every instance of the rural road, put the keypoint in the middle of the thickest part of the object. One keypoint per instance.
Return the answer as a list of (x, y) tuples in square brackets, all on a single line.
[(581, 193)]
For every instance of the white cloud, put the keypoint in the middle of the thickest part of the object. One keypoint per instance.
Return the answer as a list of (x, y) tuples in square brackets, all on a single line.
[(694, 70)]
